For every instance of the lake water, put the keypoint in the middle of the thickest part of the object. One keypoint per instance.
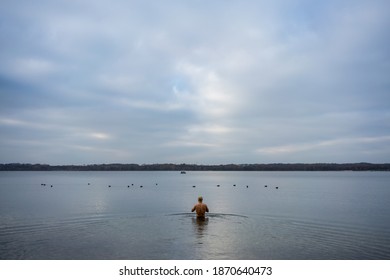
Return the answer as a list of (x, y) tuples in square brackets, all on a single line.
[(312, 215)]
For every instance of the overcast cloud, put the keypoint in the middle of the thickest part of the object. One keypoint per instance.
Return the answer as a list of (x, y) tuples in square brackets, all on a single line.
[(206, 82)]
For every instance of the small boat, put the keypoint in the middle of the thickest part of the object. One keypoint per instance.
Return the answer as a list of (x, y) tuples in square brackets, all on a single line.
[(183, 172)]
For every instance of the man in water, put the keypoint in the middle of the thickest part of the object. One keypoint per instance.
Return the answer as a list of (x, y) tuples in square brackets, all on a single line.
[(201, 209)]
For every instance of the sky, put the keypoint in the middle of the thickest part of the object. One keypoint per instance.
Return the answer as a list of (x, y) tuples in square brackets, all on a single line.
[(197, 82)]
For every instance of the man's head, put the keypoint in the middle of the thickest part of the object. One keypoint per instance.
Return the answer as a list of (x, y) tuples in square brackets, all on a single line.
[(200, 198)]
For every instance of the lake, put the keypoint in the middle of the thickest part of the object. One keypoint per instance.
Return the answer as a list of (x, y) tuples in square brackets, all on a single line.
[(146, 215)]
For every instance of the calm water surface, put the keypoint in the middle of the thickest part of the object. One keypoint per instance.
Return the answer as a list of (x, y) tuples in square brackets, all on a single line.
[(312, 215)]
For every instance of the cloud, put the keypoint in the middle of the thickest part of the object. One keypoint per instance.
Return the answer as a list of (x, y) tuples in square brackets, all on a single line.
[(333, 150), (302, 147), (184, 81)]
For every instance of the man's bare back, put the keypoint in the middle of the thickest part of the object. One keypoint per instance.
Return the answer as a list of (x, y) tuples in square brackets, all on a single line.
[(200, 208)]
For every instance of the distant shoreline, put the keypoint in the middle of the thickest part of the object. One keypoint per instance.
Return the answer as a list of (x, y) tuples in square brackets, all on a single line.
[(363, 166)]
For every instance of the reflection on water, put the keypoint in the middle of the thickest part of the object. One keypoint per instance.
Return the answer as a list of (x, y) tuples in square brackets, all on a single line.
[(311, 216), (200, 228)]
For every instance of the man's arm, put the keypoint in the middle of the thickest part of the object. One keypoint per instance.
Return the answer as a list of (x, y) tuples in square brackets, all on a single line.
[(193, 208)]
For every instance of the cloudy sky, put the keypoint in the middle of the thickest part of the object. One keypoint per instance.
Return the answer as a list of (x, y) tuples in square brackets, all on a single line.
[(205, 82)]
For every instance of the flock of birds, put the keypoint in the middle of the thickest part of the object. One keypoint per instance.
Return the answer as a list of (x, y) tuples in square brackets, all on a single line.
[(141, 186)]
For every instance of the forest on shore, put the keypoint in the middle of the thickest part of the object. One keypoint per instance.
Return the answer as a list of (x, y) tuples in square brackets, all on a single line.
[(362, 166)]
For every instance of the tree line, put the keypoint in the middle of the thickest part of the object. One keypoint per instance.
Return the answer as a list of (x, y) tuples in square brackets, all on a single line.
[(362, 166)]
